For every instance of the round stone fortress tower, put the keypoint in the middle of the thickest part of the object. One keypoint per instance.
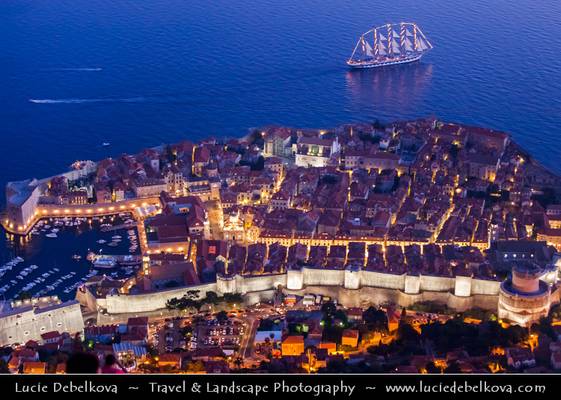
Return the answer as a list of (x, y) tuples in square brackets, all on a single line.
[(524, 298)]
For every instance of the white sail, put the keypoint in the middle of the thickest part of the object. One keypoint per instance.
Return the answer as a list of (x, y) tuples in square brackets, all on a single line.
[(382, 49), (368, 49), (395, 47), (408, 45), (421, 44)]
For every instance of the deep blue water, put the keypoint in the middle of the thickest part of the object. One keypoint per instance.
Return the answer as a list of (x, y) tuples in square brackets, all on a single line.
[(139, 73)]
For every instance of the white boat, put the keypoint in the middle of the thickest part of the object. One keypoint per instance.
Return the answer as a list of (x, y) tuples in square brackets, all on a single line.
[(104, 262), (101, 241), (51, 235), (389, 44)]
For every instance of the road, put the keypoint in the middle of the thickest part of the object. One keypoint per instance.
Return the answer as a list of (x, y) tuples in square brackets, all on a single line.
[(246, 347), (215, 218)]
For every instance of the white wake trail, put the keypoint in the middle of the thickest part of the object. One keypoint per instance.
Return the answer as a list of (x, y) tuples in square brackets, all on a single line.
[(81, 101), (77, 69)]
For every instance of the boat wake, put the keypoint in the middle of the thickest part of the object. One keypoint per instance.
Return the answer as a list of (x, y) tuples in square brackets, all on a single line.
[(82, 101), (80, 69)]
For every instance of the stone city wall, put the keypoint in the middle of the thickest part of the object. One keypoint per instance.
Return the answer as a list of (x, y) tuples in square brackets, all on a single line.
[(367, 296), (460, 292), (122, 303)]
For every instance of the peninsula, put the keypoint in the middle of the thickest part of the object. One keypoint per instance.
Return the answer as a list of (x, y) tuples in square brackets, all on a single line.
[(407, 215)]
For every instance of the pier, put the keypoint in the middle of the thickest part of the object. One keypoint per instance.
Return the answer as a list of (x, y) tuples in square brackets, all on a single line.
[(121, 259), (118, 227), (81, 210)]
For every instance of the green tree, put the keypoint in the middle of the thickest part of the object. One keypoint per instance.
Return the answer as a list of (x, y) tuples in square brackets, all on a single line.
[(238, 362), (406, 333), (432, 368), (328, 309), (453, 368), (376, 319), (222, 316), (4, 367), (211, 298), (232, 299)]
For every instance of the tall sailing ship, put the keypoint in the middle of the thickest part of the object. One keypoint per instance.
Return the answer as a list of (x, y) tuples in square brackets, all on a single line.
[(389, 44)]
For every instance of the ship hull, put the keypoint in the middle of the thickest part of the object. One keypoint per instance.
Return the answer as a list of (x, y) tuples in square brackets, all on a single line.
[(378, 64)]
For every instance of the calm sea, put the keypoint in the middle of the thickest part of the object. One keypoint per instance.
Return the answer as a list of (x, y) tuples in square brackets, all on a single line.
[(76, 73)]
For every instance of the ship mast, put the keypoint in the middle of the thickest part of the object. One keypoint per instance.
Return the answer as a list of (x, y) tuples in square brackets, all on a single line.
[(402, 38), (390, 49), (376, 50)]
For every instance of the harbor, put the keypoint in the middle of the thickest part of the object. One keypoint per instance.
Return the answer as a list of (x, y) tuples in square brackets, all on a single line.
[(60, 254)]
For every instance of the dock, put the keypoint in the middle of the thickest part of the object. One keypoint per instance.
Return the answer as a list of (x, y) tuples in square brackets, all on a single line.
[(121, 259)]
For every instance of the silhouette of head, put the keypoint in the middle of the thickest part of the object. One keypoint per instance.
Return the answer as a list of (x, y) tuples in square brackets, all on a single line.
[(82, 363), (110, 360)]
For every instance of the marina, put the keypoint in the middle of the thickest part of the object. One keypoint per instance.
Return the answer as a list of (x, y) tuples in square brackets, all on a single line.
[(60, 254)]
